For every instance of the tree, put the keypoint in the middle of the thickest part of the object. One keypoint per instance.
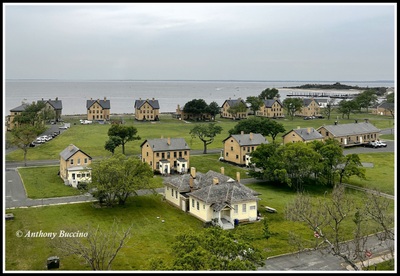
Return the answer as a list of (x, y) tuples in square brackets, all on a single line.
[(112, 143), (213, 109), (23, 136), (266, 232), (32, 115), (255, 103), (116, 178), (126, 133), (196, 107), (262, 125), (351, 166), (347, 107), (329, 107), (206, 133), (366, 98), (239, 107), (269, 93), (98, 247), (331, 158), (390, 98), (212, 249), (292, 105)]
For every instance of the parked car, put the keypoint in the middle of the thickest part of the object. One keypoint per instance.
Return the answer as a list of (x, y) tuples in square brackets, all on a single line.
[(371, 144), (381, 144)]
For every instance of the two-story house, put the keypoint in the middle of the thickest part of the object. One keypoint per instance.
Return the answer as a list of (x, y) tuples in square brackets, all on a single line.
[(310, 108), (238, 147), (98, 110), (305, 135), (147, 110), (213, 197), (166, 155), (384, 108), (350, 134), (271, 109), (53, 106), (230, 105), (75, 166), (10, 123)]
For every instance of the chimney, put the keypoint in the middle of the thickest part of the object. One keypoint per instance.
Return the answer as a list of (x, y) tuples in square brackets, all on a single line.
[(366, 120), (193, 172), (70, 147), (298, 127), (238, 176), (153, 99), (251, 135), (105, 98), (356, 121), (242, 132), (191, 183), (335, 123), (223, 170), (215, 180), (169, 141), (56, 98), (308, 130)]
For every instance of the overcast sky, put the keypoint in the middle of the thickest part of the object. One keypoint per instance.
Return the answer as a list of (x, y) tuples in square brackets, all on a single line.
[(200, 41)]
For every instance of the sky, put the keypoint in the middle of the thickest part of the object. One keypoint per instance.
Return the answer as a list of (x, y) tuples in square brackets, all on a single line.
[(200, 41)]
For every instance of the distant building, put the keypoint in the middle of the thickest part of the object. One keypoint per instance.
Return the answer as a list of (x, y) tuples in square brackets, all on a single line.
[(305, 135), (238, 147), (98, 110), (75, 166), (231, 103), (54, 106), (310, 108), (350, 134), (271, 109), (180, 114), (165, 155), (10, 123), (385, 109), (147, 110)]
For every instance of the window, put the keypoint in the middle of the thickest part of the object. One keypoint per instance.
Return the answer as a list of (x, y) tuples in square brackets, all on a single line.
[(231, 148), (86, 160), (73, 176), (244, 208), (79, 161), (237, 156), (253, 207), (236, 209), (172, 192), (204, 206), (78, 175), (72, 161), (198, 205), (192, 202)]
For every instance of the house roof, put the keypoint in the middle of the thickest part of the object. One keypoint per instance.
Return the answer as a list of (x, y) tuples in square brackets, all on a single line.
[(69, 151), (269, 103), (306, 134), (105, 104), (20, 108), (56, 104), (234, 102), (226, 192), (244, 139), (307, 101), (161, 144), (350, 129), (386, 105), (153, 103)]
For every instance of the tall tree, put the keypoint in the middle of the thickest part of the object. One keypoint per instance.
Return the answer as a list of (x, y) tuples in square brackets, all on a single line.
[(24, 135), (347, 107), (329, 107), (206, 133), (112, 143), (126, 133), (269, 93), (350, 166), (240, 107), (292, 105), (98, 248), (196, 107), (255, 103), (32, 115), (262, 125), (213, 109), (367, 99), (116, 178)]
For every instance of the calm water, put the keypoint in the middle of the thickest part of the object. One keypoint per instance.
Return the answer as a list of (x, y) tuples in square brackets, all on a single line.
[(122, 94)]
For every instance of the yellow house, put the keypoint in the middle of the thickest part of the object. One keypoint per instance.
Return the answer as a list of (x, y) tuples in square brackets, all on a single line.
[(213, 197), (147, 110), (271, 109), (231, 103), (98, 110), (75, 166), (305, 135), (166, 154), (238, 147), (10, 124), (181, 115), (350, 134), (385, 109), (55, 106), (310, 108)]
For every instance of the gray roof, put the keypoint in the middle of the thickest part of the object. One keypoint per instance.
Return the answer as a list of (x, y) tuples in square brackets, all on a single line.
[(307, 133), (234, 102), (69, 151), (387, 105), (226, 192), (306, 101), (56, 104), (105, 104), (350, 129), (161, 144), (20, 108), (153, 103), (269, 103), (244, 139)]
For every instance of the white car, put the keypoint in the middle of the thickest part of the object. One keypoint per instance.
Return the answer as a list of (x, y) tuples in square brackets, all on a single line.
[(381, 144)]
